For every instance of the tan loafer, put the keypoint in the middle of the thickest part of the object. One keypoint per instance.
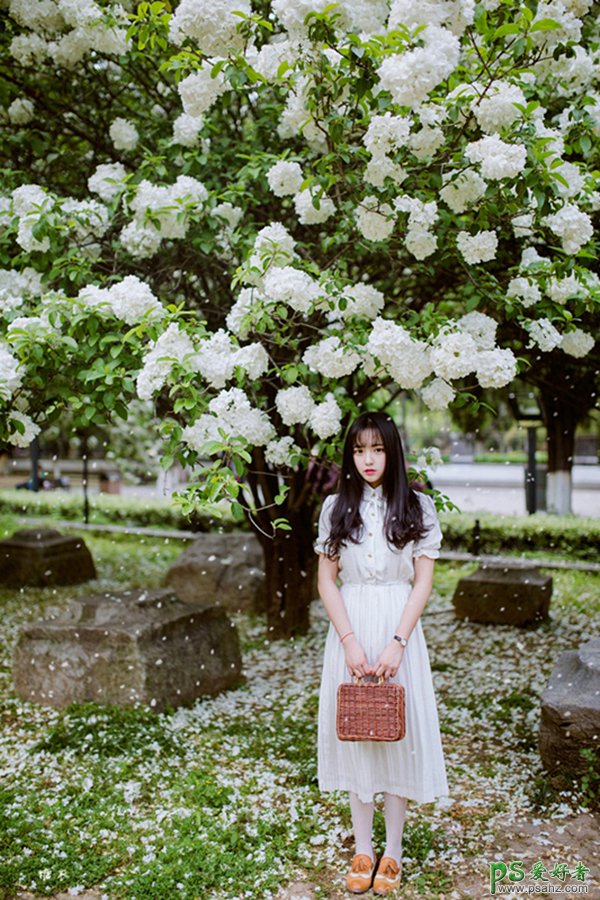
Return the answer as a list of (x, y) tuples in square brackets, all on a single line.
[(388, 876), (360, 876)]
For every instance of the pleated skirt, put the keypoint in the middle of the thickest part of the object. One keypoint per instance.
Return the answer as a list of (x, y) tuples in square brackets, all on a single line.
[(413, 767)]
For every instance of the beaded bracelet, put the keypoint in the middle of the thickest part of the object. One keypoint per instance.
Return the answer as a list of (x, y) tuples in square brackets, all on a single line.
[(348, 633)]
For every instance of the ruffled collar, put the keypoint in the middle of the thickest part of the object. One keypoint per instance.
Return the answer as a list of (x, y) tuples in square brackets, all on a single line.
[(373, 496)]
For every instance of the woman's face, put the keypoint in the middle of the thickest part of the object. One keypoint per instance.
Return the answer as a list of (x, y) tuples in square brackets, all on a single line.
[(369, 457)]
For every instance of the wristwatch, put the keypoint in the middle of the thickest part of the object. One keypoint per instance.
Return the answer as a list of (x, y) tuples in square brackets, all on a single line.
[(400, 640)]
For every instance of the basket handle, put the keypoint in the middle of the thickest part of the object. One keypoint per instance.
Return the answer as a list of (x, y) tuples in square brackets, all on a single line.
[(358, 679)]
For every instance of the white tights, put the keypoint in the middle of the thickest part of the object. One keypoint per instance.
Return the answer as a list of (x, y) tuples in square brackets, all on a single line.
[(362, 823)]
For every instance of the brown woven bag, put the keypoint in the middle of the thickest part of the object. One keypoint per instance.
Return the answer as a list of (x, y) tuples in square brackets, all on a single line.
[(370, 711)]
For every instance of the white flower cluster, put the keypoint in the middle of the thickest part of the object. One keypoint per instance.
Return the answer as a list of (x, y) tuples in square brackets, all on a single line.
[(297, 118), (200, 90), (11, 375), (172, 346), (123, 134), (453, 354), (18, 286), (212, 25), (218, 357), (292, 14), (21, 111), (496, 109), (331, 358), (562, 13), (437, 394), (429, 458), (419, 240), (482, 329), (285, 178), (405, 360), (107, 181), (498, 159), (232, 413), (410, 76), (162, 211), (527, 291), (313, 208), (577, 343), (477, 248), (572, 226), (543, 333), (362, 300), (19, 438), (386, 134), (462, 189), (495, 368), (282, 452), (130, 300), (454, 14), (29, 203), (273, 246), (563, 289), (186, 130), (297, 406), (374, 220), (293, 287)]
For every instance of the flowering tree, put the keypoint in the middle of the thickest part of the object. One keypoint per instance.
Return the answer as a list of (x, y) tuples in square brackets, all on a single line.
[(263, 215)]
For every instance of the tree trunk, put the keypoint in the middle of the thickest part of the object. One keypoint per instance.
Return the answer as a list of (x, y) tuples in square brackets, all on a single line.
[(561, 416), (290, 566)]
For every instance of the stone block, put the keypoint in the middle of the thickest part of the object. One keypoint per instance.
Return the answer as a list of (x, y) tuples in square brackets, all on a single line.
[(127, 648), (571, 711), (499, 595), (43, 556), (221, 570)]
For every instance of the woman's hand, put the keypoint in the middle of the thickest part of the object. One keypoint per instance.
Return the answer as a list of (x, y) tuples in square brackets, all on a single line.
[(356, 658), (389, 662)]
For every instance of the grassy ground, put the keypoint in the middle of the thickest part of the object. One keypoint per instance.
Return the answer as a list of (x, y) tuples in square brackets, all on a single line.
[(220, 800)]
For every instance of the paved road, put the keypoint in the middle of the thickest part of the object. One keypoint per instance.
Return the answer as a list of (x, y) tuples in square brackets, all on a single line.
[(499, 488)]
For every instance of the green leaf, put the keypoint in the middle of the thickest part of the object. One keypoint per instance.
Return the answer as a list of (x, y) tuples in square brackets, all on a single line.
[(545, 25)]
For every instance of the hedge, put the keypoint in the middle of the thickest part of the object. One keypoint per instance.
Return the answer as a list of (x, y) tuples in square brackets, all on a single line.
[(541, 533)]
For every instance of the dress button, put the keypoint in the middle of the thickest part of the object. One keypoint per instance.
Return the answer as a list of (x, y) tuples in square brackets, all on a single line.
[(370, 534), (370, 555)]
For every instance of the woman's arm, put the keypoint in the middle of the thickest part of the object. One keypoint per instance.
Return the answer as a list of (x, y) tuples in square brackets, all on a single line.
[(388, 663), (356, 659)]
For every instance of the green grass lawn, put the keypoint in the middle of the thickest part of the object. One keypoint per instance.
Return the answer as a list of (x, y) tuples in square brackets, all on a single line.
[(220, 800)]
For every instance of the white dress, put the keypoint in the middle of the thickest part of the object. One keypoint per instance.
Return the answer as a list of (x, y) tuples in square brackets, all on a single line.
[(375, 584)]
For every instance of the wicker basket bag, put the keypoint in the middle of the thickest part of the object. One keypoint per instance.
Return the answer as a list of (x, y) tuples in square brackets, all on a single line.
[(370, 711)]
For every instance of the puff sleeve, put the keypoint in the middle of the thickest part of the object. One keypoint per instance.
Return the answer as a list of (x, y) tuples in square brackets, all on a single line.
[(430, 543), (324, 524)]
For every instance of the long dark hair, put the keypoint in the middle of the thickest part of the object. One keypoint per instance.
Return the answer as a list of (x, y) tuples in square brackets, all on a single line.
[(403, 516)]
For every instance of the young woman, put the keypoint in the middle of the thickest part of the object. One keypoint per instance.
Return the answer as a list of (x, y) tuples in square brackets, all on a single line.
[(380, 538)]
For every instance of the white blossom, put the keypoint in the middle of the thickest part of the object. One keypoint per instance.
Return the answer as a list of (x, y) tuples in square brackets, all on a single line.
[(381, 167), (326, 418), (123, 134), (231, 412), (527, 291), (295, 405), (437, 394), (107, 181), (453, 14), (482, 329), (281, 452), (293, 287), (477, 248), (495, 368), (572, 226), (374, 220), (15, 436), (142, 241), (411, 75), (543, 333), (362, 300), (21, 111), (496, 109), (425, 142), (498, 159), (211, 24), (406, 361), (453, 354), (172, 346), (200, 90), (285, 178), (429, 458), (561, 290), (331, 358), (386, 134), (576, 343), (132, 300), (17, 286), (421, 243), (11, 375), (186, 130), (462, 189), (307, 212)]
